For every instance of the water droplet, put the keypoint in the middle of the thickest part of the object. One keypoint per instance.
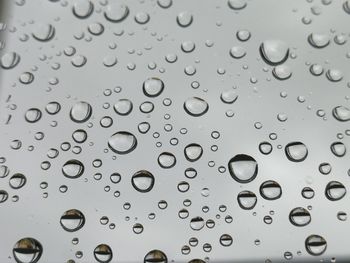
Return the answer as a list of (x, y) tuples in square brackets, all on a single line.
[(315, 245), (153, 87), (300, 216), (73, 169), (296, 151), (72, 220), (33, 115), (44, 32), (80, 112), (155, 256), (318, 40), (27, 250), (17, 181), (143, 181), (103, 253), (237, 4), (274, 52), (196, 106), (341, 113), (237, 52), (338, 149), (335, 191), (184, 19), (247, 200), (243, 168), (226, 240), (193, 152), (122, 142), (83, 8), (282, 72), (197, 223), (123, 107), (9, 60), (166, 160), (116, 12), (270, 190)]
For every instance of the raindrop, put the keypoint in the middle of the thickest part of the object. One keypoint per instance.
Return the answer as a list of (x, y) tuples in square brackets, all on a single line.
[(33, 115), (318, 40), (103, 253), (196, 106), (335, 191), (197, 223), (315, 245), (143, 181), (300, 216), (274, 52), (155, 256), (123, 107), (166, 160), (247, 200), (81, 112), (73, 169), (116, 12), (237, 4), (27, 250), (193, 152), (296, 151), (83, 8), (341, 113), (72, 220), (338, 149), (17, 181), (44, 32), (243, 168), (9, 60), (270, 190), (226, 240), (153, 87), (122, 142), (184, 19)]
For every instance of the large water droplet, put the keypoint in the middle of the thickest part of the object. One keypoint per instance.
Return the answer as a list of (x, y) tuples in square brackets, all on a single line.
[(43, 32), (197, 223), (193, 152), (153, 87), (243, 168), (166, 160), (196, 106), (270, 190), (83, 8), (155, 256), (103, 253), (72, 220), (73, 169), (9, 60), (296, 151), (143, 181), (335, 191), (81, 112), (27, 250), (184, 19), (116, 12), (274, 52), (341, 113), (122, 142), (299, 216), (247, 200), (315, 245)]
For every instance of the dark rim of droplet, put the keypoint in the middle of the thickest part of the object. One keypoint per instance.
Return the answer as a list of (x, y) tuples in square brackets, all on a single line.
[(73, 214)]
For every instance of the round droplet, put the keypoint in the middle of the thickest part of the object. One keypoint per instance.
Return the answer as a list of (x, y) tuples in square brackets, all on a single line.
[(318, 40), (123, 107), (83, 8), (122, 142), (166, 160), (341, 113), (142, 18), (270, 190), (237, 52), (296, 151), (80, 112), (153, 87), (103, 253), (243, 168), (165, 3), (143, 181), (334, 75), (17, 181), (197, 223), (155, 256), (116, 12), (73, 169), (72, 220), (33, 115), (184, 19), (226, 240), (338, 149), (53, 107), (335, 191), (228, 96), (282, 72), (193, 152), (3, 196), (27, 250), (315, 245), (265, 148), (9, 60), (43, 32), (247, 200), (196, 106), (274, 52), (237, 4), (299, 216)]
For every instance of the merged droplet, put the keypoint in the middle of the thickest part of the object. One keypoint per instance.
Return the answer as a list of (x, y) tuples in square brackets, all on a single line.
[(296, 151), (27, 250), (122, 142), (72, 220), (73, 169), (153, 87), (274, 52), (80, 112), (103, 253), (315, 245), (143, 181), (243, 168), (196, 106)]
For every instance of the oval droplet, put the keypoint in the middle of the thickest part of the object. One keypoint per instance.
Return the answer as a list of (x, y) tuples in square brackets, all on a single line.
[(143, 181), (122, 142), (27, 250), (80, 112), (196, 106), (274, 52), (296, 151), (243, 168), (73, 169), (72, 220)]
